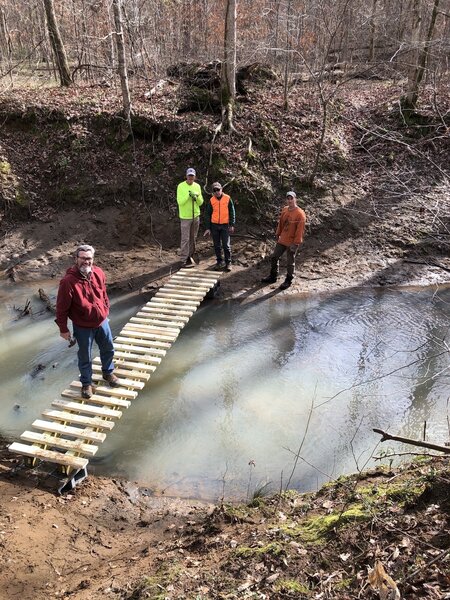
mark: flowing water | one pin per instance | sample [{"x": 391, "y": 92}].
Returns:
[{"x": 248, "y": 386}]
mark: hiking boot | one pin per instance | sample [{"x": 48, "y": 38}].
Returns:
[
  {"x": 286, "y": 283},
  {"x": 189, "y": 263},
  {"x": 228, "y": 267},
  {"x": 269, "y": 279},
  {"x": 218, "y": 266},
  {"x": 86, "y": 391},
  {"x": 112, "y": 379}
]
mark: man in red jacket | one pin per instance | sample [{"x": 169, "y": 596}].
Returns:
[
  {"x": 83, "y": 299},
  {"x": 290, "y": 230}
]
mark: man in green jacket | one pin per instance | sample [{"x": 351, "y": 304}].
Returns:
[{"x": 189, "y": 199}]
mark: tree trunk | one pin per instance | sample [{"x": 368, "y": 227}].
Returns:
[
  {"x": 117, "y": 8},
  {"x": 229, "y": 67},
  {"x": 287, "y": 60},
  {"x": 416, "y": 74},
  {"x": 57, "y": 44},
  {"x": 373, "y": 31}
]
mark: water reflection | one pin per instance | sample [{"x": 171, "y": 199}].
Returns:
[{"x": 228, "y": 407}]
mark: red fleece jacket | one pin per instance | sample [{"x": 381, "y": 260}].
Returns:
[{"x": 83, "y": 300}]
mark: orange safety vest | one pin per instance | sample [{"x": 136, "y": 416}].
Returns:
[{"x": 220, "y": 214}]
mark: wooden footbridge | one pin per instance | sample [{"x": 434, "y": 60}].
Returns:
[{"x": 69, "y": 432}]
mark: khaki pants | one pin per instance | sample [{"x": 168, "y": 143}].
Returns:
[{"x": 189, "y": 230}]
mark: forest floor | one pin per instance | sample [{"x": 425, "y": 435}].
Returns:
[{"x": 378, "y": 215}]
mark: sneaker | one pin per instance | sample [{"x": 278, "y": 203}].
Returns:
[
  {"x": 112, "y": 379},
  {"x": 269, "y": 279},
  {"x": 286, "y": 283},
  {"x": 218, "y": 266},
  {"x": 86, "y": 391},
  {"x": 228, "y": 267}
]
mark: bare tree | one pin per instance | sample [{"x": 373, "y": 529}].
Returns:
[
  {"x": 122, "y": 67},
  {"x": 229, "y": 66},
  {"x": 417, "y": 69},
  {"x": 57, "y": 44}
]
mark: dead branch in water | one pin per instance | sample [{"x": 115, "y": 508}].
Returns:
[
  {"x": 26, "y": 310},
  {"x": 388, "y": 436}
]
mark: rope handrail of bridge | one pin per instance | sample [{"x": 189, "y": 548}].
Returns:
[{"x": 70, "y": 431}]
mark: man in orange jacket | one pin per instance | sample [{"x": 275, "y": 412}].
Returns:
[
  {"x": 219, "y": 222},
  {"x": 290, "y": 229}
]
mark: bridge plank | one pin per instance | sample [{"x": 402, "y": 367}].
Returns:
[
  {"x": 139, "y": 339},
  {"x": 165, "y": 310},
  {"x": 143, "y": 316},
  {"x": 126, "y": 364},
  {"x": 87, "y": 409},
  {"x": 134, "y": 350},
  {"x": 76, "y": 395},
  {"x": 60, "y": 458},
  {"x": 117, "y": 392},
  {"x": 123, "y": 373},
  {"x": 59, "y": 442},
  {"x": 68, "y": 417},
  {"x": 67, "y": 430},
  {"x": 171, "y": 301}
]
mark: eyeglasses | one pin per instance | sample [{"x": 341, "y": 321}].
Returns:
[{"x": 217, "y": 189}]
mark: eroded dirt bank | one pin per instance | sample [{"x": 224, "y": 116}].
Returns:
[{"x": 108, "y": 540}]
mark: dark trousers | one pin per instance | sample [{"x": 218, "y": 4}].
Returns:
[
  {"x": 221, "y": 239},
  {"x": 85, "y": 337},
  {"x": 280, "y": 249}
]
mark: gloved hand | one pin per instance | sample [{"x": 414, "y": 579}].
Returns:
[
  {"x": 193, "y": 195},
  {"x": 293, "y": 247}
]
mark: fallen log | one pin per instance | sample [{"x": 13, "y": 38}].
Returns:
[{"x": 396, "y": 438}]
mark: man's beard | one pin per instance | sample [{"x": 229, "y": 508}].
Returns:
[{"x": 85, "y": 269}]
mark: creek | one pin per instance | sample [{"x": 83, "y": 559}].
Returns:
[{"x": 247, "y": 385}]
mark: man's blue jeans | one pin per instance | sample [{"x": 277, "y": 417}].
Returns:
[{"x": 85, "y": 337}]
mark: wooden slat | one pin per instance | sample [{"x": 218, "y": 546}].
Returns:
[
  {"x": 182, "y": 289},
  {"x": 172, "y": 301},
  {"x": 180, "y": 311},
  {"x": 60, "y": 458},
  {"x": 198, "y": 273},
  {"x": 130, "y": 356},
  {"x": 87, "y": 409},
  {"x": 123, "y": 363},
  {"x": 171, "y": 295},
  {"x": 67, "y": 417},
  {"x": 58, "y": 442},
  {"x": 153, "y": 321},
  {"x": 123, "y": 373},
  {"x": 132, "y": 333},
  {"x": 156, "y": 330},
  {"x": 77, "y": 432},
  {"x": 169, "y": 337},
  {"x": 106, "y": 390},
  {"x": 133, "y": 349},
  {"x": 134, "y": 338},
  {"x": 197, "y": 281},
  {"x": 96, "y": 399},
  {"x": 136, "y": 347},
  {"x": 143, "y": 318},
  {"x": 124, "y": 383},
  {"x": 169, "y": 309}
]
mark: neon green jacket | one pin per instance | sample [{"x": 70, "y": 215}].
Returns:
[{"x": 189, "y": 207}]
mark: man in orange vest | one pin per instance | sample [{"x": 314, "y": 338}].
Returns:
[
  {"x": 219, "y": 222},
  {"x": 289, "y": 234}
]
